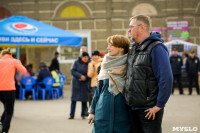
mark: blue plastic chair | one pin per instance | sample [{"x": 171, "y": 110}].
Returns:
[
  {"x": 57, "y": 90},
  {"x": 48, "y": 83},
  {"x": 27, "y": 84},
  {"x": 62, "y": 80}
]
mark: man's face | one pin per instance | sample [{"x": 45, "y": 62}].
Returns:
[
  {"x": 192, "y": 55},
  {"x": 83, "y": 50},
  {"x": 57, "y": 55},
  {"x": 134, "y": 30},
  {"x": 175, "y": 52}
]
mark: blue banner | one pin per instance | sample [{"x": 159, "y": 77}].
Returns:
[{"x": 21, "y": 30}]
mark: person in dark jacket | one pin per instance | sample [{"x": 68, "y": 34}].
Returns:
[
  {"x": 44, "y": 72},
  {"x": 149, "y": 77},
  {"x": 80, "y": 84},
  {"x": 193, "y": 67},
  {"x": 109, "y": 110},
  {"x": 54, "y": 63},
  {"x": 176, "y": 63}
]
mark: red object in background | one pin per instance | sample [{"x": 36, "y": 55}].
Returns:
[
  {"x": 23, "y": 58},
  {"x": 4, "y": 13},
  {"x": 101, "y": 54}
]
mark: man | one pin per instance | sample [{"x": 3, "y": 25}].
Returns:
[
  {"x": 193, "y": 67},
  {"x": 83, "y": 49},
  {"x": 149, "y": 77},
  {"x": 54, "y": 63},
  {"x": 176, "y": 63}
]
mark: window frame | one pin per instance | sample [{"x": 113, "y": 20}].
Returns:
[{"x": 81, "y": 33}]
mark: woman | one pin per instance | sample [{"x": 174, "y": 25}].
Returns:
[
  {"x": 109, "y": 110},
  {"x": 92, "y": 69},
  {"x": 8, "y": 66},
  {"x": 80, "y": 84}
]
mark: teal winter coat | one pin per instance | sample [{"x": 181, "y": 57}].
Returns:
[{"x": 111, "y": 112}]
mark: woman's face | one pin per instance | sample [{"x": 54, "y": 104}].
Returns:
[
  {"x": 85, "y": 59},
  {"x": 115, "y": 51},
  {"x": 95, "y": 57}
]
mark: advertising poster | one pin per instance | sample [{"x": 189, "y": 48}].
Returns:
[
  {"x": 177, "y": 30},
  {"x": 157, "y": 29}
]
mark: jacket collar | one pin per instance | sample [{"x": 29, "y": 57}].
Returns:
[{"x": 143, "y": 45}]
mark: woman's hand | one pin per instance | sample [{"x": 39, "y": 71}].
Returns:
[
  {"x": 83, "y": 78},
  {"x": 90, "y": 117}
]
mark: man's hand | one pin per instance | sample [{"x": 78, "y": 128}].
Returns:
[{"x": 152, "y": 112}]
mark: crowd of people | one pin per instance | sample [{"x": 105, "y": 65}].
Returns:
[
  {"x": 12, "y": 74},
  {"x": 190, "y": 64},
  {"x": 133, "y": 86},
  {"x": 127, "y": 90}
]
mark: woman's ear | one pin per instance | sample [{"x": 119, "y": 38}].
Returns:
[{"x": 122, "y": 50}]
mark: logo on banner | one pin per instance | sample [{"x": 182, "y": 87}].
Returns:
[{"x": 24, "y": 27}]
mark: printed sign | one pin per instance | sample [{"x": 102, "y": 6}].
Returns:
[
  {"x": 24, "y": 27},
  {"x": 177, "y": 30},
  {"x": 157, "y": 29}
]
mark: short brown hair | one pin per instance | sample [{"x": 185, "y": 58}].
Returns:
[
  {"x": 5, "y": 51},
  {"x": 119, "y": 41},
  {"x": 143, "y": 18}
]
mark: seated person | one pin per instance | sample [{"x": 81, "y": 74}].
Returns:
[
  {"x": 44, "y": 72},
  {"x": 30, "y": 69},
  {"x": 18, "y": 78},
  {"x": 54, "y": 73}
]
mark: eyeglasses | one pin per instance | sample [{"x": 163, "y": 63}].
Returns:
[
  {"x": 109, "y": 45},
  {"x": 131, "y": 26}
]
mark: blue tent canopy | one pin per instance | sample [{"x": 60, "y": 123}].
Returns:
[{"x": 21, "y": 30}]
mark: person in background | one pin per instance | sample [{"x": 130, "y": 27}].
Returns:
[
  {"x": 92, "y": 72},
  {"x": 54, "y": 73},
  {"x": 193, "y": 68},
  {"x": 29, "y": 68},
  {"x": 18, "y": 78},
  {"x": 80, "y": 84},
  {"x": 44, "y": 72},
  {"x": 83, "y": 49},
  {"x": 109, "y": 111},
  {"x": 54, "y": 62},
  {"x": 92, "y": 69},
  {"x": 176, "y": 64},
  {"x": 149, "y": 77},
  {"x": 185, "y": 56},
  {"x": 8, "y": 66}
]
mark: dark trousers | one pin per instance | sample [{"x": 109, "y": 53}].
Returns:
[
  {"x": 8, "y": 100},
  {"x": 140, "y": 124},
  {"x": 73, "y": 107},
  {"x": 193, "y": 77},
  {"x": 177, "y": 78}
]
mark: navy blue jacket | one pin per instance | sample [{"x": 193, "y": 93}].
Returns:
[
  {"x": 43, "y": 74},
  {"x": 176, "y": 63},
  {"x": 79, "y": 89},
  {"x": 192, "y": 65}
]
